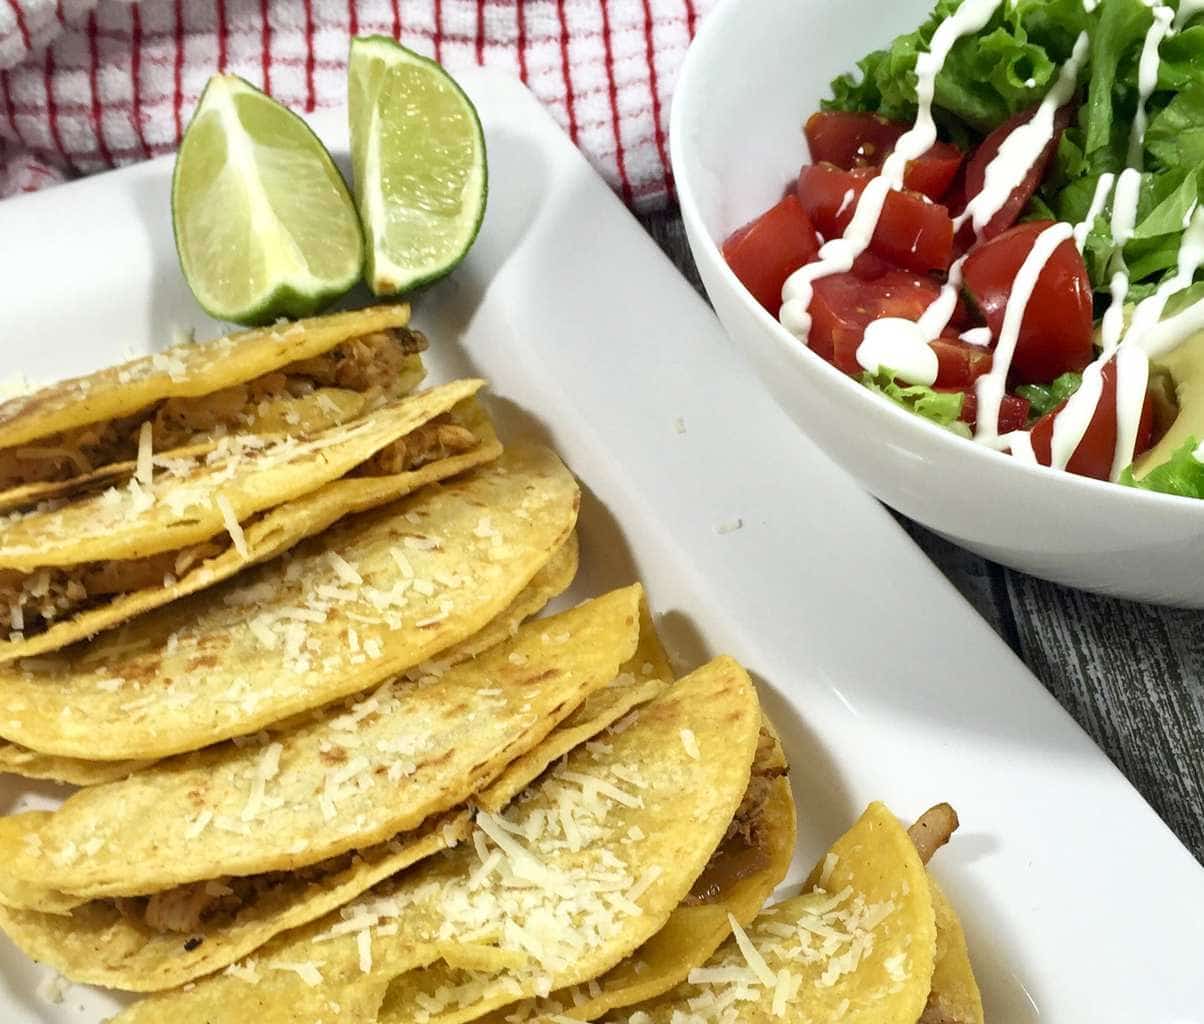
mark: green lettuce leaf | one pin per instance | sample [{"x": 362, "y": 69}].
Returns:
[
  {"x": 1008, "y": 67},
  {"x": 942, "y": 407},
  {"x": 1182, "y": 474},
  {"x": 1115, "y": 41},
  {"x": 988, "y": 77},
  {"x": 1043, "y": 398},
  {"x": 1175, "y": 136}
]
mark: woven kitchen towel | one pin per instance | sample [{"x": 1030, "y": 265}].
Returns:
[{"x": 91, "y": 84}]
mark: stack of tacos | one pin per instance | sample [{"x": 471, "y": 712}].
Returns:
[{"x": 275, "y": 611}]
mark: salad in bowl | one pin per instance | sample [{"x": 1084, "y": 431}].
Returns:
[{"x": 999, "y": 229}]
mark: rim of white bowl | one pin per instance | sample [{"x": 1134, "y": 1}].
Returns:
[{"x": 698, "y": 57}]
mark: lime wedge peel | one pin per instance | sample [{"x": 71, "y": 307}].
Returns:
[
  {"x": 265, "y": 226},
  {"x": 420, "y": 167}
]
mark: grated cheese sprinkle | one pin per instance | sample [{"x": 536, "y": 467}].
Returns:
[
  {"x": 232, "y": 525},
  {"x": 755, "y": 961},
  {"x": 145, "y": 470}
]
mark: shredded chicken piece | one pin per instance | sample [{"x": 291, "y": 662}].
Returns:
[
  {"x": 370, "y": 365},
  {"x": 744, "y": 849},
  {"x": 932, "y": 830},
  {"x": 436, "y": 439},
  {"x": 766, "y": 767},
  {"x": 186, "y": 907},
  {"x": 31, "y": 602}
]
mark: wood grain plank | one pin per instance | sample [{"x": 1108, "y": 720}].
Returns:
[{"x": 1132, "y": 675}]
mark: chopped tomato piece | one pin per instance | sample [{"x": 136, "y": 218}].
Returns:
[
  {"x": 1093, "y": 457},
  {"x": 1056, "y": 332},
  {"x": 851, "y": 140},
  {"x": 767, "y": 251},
  {"x": 869, "y": 267},
  {"x": 912, "y": 233},
  {"x": 959, "y": 364},
  {"x": 976, "y": 169},
  {"x": 934, "y": 172},
  {"x": 843, "y": 306},
  {"x": 1013, "y": 412},
  {"x": 865, "y": 140}
]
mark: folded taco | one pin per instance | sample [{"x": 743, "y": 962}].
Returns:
[
  {"x": 582, "y": 870},
  {"x": 553, "y": 579},
  {"x": 371, "y": 597},
  {"x": 224, "y": 848},
  {"x": 286, "y": 378},
  {"x": 72, "y": 567}
]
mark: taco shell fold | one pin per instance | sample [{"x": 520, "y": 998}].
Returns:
[
  {"x": 280, "y": 528},
  {"x": 448, "y": 905},
  {"x": 373, "y": 596},
  {"x": 553, "y": 579},
  {"x": 356, "y": 775},
  {"x": 87, "y": 427}
]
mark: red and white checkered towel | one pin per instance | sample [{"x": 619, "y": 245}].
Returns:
[{"x": 91, "y": 84}]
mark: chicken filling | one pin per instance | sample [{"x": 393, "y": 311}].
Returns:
[
  {"x": 32, "y": 602},
  {"x": 371, "y": 368},
  {"x": 187, "y": 908},
  {"x": 745, "y": 848}
]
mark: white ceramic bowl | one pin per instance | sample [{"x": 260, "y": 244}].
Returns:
[{"x": 755, "y": 72}]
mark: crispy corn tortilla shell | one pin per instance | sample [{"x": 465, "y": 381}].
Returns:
[
  {"x": 270, "y": 535},
  {"x": 688, "y": 938},
  {"x": 954, "y": 998},
  {"x": 96, "y": 945},
  {"x": 875, "y": 894},
  {"x": 334, "y": 787},
  {"x": 233, "y": 659},
  {"x": 645, "y": 677},
  {"x": 686, "y": 807},
  {"x": 179, "y": 509},
  {"x": 688, "y": 804},
  {"x": 553, "y": 579},
  {"x": 321, "y": 409},
  {"x": 75, "y": 771},
  {"x": 189, "y": 370}
]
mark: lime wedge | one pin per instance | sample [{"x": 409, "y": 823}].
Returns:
[
  {"x": 419, "y": 159},
  {"x": 265, "y": 226}
]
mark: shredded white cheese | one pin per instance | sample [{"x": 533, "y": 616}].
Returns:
[
  {"x": 755, "y": 961},
  {"x": 145, "y": 470},
  {"x": 232, "y": 525}
]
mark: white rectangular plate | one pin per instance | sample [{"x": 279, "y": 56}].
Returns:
[{"x": 1079, "y": 904}]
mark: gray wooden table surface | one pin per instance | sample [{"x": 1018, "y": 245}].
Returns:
[{"x": 1132, "y": 675}]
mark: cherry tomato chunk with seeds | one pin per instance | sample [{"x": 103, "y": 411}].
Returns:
[
  {"x": 959, "y": 364},
  {"x": 844, "y": 305},
  {"x": 851, "y": 140},
  {"x": 769, "y": 249},
  {"x": 1057, "y": 330},
  {"x": 1017, "y": 200},
  {"x": 1013, "y": 412},
  {"x": 934, "y": 173},
  {"x": 854, "y": 140},
  {"x": 1095, "y": 452},
  {"x": 913, "y": 233}
]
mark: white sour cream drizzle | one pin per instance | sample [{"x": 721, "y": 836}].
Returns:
[
  {"x": 1103, "y": 188},
  {"x": 1127, "y": 348},
  {"x": 903, "y": 345},
  {"x": 991, "y": 386},
  {"x": 1007, "y": 169},
  {"x": 837, "y": 256},
  {"x": 1022, "y": 148},
  {"x": 1147, "y": 79}
]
